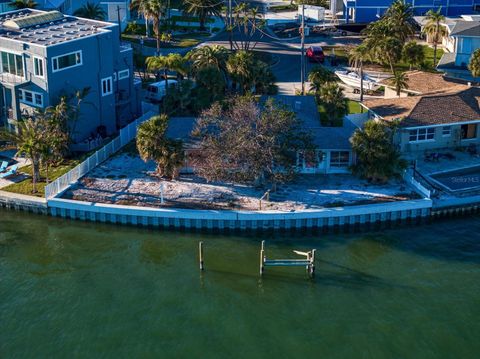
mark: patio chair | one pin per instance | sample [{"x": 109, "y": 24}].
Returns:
[
  {"x": 11, "y": 172},
  {"x": 3, "y": 166}
]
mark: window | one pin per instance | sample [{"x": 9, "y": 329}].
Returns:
[
  {"x": 107, "y": 86},
  {"x": 67, "y": 61},
  {"x": 124, "y": 74},
  {"x": 12, "y": 63},
  {"x": 38, "y": 67},
  {"x": 31, "y": 98},
  {"x": 339, "y": 159},
  {"x": 422, "y": 134},
  {"x": 115, "y": 76},
  {"x": 446, "y": 131},
  {"x": 469, "y": 131}
]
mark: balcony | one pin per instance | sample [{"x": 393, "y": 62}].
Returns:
[
  {"x": 125, "y": 46},
  {"x": 12, "y": 80}
]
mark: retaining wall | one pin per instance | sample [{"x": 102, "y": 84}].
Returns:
[
  {"x": 23, "y": 203},
  {"x": 241, "y": 220}
]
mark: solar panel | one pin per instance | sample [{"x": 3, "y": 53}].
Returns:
[{"x": 33, "y": 20}]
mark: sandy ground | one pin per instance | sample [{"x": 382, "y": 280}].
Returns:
[{"x": 127, "y": 180}]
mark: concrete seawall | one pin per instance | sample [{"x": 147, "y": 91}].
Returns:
[
  {"x": 23, "y": 203},
  {"x": 241, "y": 220}
]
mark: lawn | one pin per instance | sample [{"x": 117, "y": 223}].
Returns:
[
  {"x": 428, "y": 60},
  {"x": 179, "y": 41},
  {"x": 25, "y": 187},
  {"x": 353, "y": 107}
]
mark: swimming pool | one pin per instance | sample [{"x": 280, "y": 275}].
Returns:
[{"x": 458, "y": 180}]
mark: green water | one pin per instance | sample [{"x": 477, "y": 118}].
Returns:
[{"x": 72, "y": 289}]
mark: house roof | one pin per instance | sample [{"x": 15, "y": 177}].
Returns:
[
  {"x": 46, "y": 28},
  {"x": 422, "y": 82},
  {"x": 435, "y": 109},
  {"x": 466, "y": 28}
]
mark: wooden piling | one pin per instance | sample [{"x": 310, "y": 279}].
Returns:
[
  {"x": 262, "y": 254},
  {"x": 200, "y": 255},
  {"x": 312, "y": 266}
]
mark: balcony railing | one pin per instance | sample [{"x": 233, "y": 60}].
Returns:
[
  {"x": 125, "y": 46},
  {"x": 8, "y": 78}
]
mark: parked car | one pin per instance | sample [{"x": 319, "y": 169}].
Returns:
[
  {"x": 315, "y": 54},
  {"x": 157, "y": 90}
]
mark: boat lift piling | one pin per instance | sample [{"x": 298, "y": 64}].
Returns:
[
  {"x": 200, "y": 255},
  {"x": 308, "y": 262}
]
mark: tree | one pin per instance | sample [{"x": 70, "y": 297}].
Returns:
[
  {"x": 474, "y": 65},
  {"x": 318, "y": 76},
  {"x": 153, "y": 144},
  {"x": 246, "y": 142},
  {"x": 357, "y": 57},
  {"x": 152, "y": 10},
  {"x": 203, "y": 9},
  {"x": 210, "y": 85},
  {"x": 334, "y": 102},
  {"x": 399, "y": 81},
  {"x": 23, "y": 4},
  {"x": 413, "y": 54},
  {"x": 91, "y": 11},
  {"x": 206, "y": 56},
  {"x": 246, "y": 21},
  {"x": 377, "y": 158},
  {"x": 30, "y": 141},
  {"x": 171, "y": 62},
  {"x": 434, "y": 29},
  {"x": 399, "y": 17}
]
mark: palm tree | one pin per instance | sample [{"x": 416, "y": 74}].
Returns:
[
  {"x": 29, "y": 139},
  {"x": 334, "y": 101},
  {"x": 377, "y": 158},
  {"x": 240, "y": 66},
  {"x": 152, "y": 10},
  {"x": 152, "y": 144},
  {"x": 399, "y": 81},
  {"x": 91, "y": 11},
  {"x": 399, "y": 17},
  {"x": 171, "y": 62},
  {"x": 317, "y": 77},
  {"x": 474, "y": 65},
  {"x": 413, "y": 54},
  {"x": 207, "y": 56},
  {"x": 434, "y": 29},
  {"x": 23, "y": 4},
  {"x": 357, "y": 56},
  {"x": 204, "y": 8}
]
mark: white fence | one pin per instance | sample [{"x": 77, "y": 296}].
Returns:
[
  {"x": 127, "y": 134},
  {"x": 408, "y": 177}
]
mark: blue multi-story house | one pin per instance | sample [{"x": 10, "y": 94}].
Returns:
[
  {"x": 46, "y": 55},
  {"x": 364, "y": 11}
]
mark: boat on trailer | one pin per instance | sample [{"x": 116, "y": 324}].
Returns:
[{"x": 352, "y": 79}]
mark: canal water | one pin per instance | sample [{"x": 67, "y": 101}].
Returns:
[{"x": 74, "y": 289}]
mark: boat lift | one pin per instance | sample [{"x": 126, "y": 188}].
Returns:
[{"x": 308, "y": 262}]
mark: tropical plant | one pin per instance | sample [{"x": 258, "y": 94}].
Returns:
[
  {"x": 171, "y": 62},
  {"x": 211, "y": 84},
  {"x": 318, "y": 76},
  {"x": 154, "y": 11},
  {"x": 413, "y": 54},
  {"x": 30, "y": 141},
  {"x": 23, "y": 4},
  {"x": 399, "y": 17},
  {"x": 206, "y": 56},
  {"x": 474, "y": 65},
  {"x": 203, "y": 9},
  {"x": 250, "y": 73},
  {"x": 357, "y": 57},
  {"x": 153, "y": 144},
  {"x": 91, "y": 11},
  {"x": 377, "y": 158},
  {"x": 334, "y": 102},
  {"x": 243, "y": 141},
  {"x": 399, "y": 81},
  {"x": 247, "y": 21},
  {"x": 434, "y": 29}
]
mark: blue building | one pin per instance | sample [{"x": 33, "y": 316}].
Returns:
[
  {"x": 46, "y": 55},
  {"x": 364, "y": 11}
]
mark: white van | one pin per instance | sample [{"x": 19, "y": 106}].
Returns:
[{"x": 157, "y": 91}]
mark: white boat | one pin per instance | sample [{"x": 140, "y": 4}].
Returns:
[{"x": 352, "y": 79}]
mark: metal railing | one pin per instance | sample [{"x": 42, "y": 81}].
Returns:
[{"x": 127, "y": 134}]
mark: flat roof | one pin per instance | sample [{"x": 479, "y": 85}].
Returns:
[{"x": 46, "y": 27}]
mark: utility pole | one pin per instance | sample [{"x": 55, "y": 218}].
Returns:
[
  {"x": 302, "y": 61},
  {"x": 119, "y": 23},
  {"x": 230, "y": 30}
]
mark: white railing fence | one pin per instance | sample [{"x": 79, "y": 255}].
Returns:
[
  {"x": 127, "y": 134},
  {"x": 409, "y": 178}
]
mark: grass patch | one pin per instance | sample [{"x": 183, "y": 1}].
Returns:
[
  {"x": 186, "y": 18},
  {"x": 340, "y": 53},
  {"x": 428, "y": 65},
  {"x": 179, "y": 41},
  {"x": 26, "y": 186},
  {"x": 280, "y": 8},
  {"x": 354, "y": 107}
]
